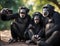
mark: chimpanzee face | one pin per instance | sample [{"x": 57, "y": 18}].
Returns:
[
  {"x": 36, "y": 19},
  {"x": 22, "y": 13},
  {"x": 45, "y": 12}
]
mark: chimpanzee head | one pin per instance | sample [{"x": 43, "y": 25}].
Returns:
[
  {"x": 37, "y": 17},
  {"x": 47, "y": 10},
  {"x": 23, "y": 11},
  {"x": 6, "y": 11}
]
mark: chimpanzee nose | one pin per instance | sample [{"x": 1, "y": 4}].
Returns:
[{"x": 45, "y": 13}]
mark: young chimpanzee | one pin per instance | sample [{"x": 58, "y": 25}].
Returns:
[
  {"x": 36, "y": 29},
  {"x": 52, "y": 26},
  {"x": 22, "y": 20}
]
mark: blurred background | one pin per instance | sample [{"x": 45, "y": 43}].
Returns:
[{"x": 33, "y": 5}]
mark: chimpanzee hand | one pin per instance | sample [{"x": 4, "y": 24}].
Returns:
[
  {"x": 6, "y": 11},
  {"x": 35, "y": 37}
]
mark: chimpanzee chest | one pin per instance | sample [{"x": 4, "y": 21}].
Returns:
[
  {"x": 22, "y": 23},
  {"x": 49, "y": 24}
]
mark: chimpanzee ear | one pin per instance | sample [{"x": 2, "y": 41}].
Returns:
[{"x": 28, "y": 10}]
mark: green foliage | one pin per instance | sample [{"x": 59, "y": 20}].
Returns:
[{"x": 5, "y": 25}]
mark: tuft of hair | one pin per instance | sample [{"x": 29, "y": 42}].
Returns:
[{"x": 23, "y": 7}]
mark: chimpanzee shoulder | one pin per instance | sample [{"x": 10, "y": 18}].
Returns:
[{"x": 56, "y": 17}]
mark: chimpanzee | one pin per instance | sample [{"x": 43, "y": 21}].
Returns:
[
  {"x": 36, "y": 29},
  {"x": 22, "y": 20},
  {"x": 52, "y": 26}
]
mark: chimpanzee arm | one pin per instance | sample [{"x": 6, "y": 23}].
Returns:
[
  {"x": 56, "y": 27},
  {"x": 42, "y": 33},
  {"x": 5, "y": 17}
]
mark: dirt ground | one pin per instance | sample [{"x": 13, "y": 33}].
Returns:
[{"x": 5, "y": 36}]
